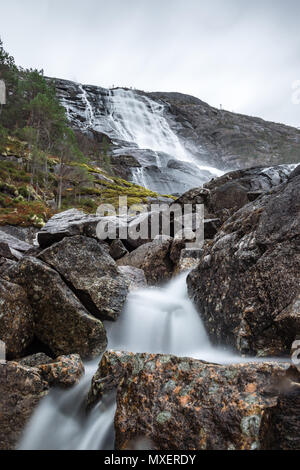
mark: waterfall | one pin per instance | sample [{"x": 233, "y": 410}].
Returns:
[
  {"x": 89, "y": 113},
  {"x": 141, "y": 127},
  {"x": 154, "y": 320},
  {"x": 137, "y": 118}
]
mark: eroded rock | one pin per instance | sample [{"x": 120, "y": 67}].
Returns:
[
  {"x": 92, "y": 274},
  {"x": 61, "y": 321},
  {"x": 246, "y": 286},
  {"x": 22, "y": 387},
  {"x": 16, "y": 319},
  {"x": 181, "y": 403},
  {"x": 67, "y": 224},
  {"x": 153, "y": 258}
]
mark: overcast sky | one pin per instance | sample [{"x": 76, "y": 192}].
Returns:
[{"x": 242, "y": 54}]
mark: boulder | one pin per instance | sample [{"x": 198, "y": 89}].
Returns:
[
  {"x": 12, "y": 247},
  {"x": 153, "y": 258},
  {"x": 35, "y": 360},
  {"x": 6, "y": 265},
  {"x": 61, "y": 321},
  {"x": 135, "y": 277},
  {"x": 22, "y": 387},
  {"x": 225, "y": 195},
  {"x": 281, "y": 426},
  {"x": 188, "y": 260},
  {"x": 16, "y": 319},
  {"x": 117, "y": 249},
  {"x": 65, "y": 371},
  {"x": 25, "y": 234},
  {"x": 161, "y": 397},
  {"x": 91, "y": 273},
  {"x": 247, "y": 284},
  {"x": 67, "y": 224}
]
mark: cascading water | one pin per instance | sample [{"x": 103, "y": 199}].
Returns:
[
  {"x": 141, "y": 127},
  {"x": 155, "y": 320},
  {"x": 141, "y": 120}
]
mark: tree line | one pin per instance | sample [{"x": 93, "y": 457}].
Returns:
[{"x": 33, "y": 114}]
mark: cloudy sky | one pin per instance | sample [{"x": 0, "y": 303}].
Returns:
[{"x": 242, "y": 54}]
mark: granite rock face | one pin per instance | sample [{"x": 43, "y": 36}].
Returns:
[
  {"x": 91, "y": 273},
  {"x": 16, "y": 319},
  {"x": 60, "y": 320},
  {"x": 153, "y": 258},
  {"x": 135, "y": 277},
  {"x": 67, "y": 224},
  {"x": 181, "y": 403},
  {"x": 224, "y": 196},
  {"x": 213, "y": 137},
  {"x": 22, "y": 387},
  {"x": 11, "y": 247},
  {"x": 246, "y": 286}
]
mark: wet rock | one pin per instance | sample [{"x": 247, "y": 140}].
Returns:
[
  {"x": 61, "y": 321},
  {"x": 246, "y": 285},
  {"x": 91, "y": 273},
  {"x": 153, "y": 258},
  {"x": 231, "y": 192},
  {"x": 65, "y": 371},
  {"x": 16, "y": 319},
  {"x": 67, "y": 224},
  {"x": 188, "y": 260},
  {"x": 5, "y": 252},
  {"x": 35, "y": 360},
  {"x": 25, "y": 234},
  {"x": 6, "y": 265},
  {"x": 211, "y": 227},
  {"x": 117, "y": 249},
  {"x": 13, "y": 245},
  {"x": 21, "y": 389},
  {"x": 280, "y": 426},
  {"x": 23, "y": 384},
  {"x": 135, "y": 277},
  {"x": 224, "y": 196},
  {"x": 160, "y": 397}
]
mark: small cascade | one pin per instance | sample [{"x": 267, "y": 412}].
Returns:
[
  {"x": 155, "y": 320},
  {"x": 89, "y": 113}
]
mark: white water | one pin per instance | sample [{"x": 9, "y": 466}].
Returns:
[
  {"x": 137, "y": 118},
  {"x": 155, "y": 320},
  {"x": 141, "y": 120},
  {"x": 89, "y": 113}
]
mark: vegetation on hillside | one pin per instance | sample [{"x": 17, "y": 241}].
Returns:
[{"x": 42, "y": 167}]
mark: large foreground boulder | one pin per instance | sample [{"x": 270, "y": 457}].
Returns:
[
  {"x": 16, "y": 319},
  {"x": 21, "y": 389},
  {"x": 92, "y": 274},
  {"x": 247, "y": 284},
  {"x": 181, "y": 403},
  {"x": 60, "y": 320}
]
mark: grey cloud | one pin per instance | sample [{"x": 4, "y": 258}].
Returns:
[{"x": 243, "y": 55}]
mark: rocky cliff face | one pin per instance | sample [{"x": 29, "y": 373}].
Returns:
[
  {"x": 230, "y": 140},
  {"x": 246, "y": 285},
  {"x": 170, "y": 142}
]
